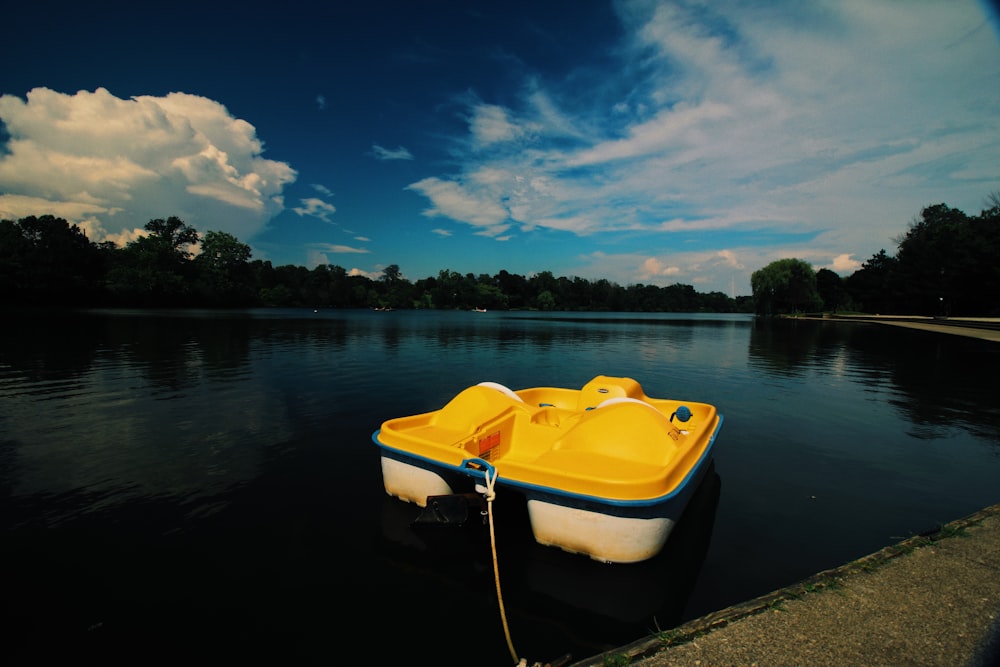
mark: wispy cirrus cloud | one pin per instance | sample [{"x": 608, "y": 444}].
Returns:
[
  {"x": 788, "y": 123},
  {"x": 399, "y": 153},
  {"x": 340, "y": 249},
  {"x": 315, "y": 208}
]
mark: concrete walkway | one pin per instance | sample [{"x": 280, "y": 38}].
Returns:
[
  {"x": 983, "y": 328},
  {"x": 931, "y": 600}
]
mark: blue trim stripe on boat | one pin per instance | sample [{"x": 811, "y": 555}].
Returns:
[{"x": 534, "y": 489}]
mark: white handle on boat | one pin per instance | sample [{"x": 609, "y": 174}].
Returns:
[
  {"x": 624, "y": 399},
  {"x": 502, "y": 389}
]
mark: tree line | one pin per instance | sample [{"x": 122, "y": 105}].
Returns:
[
  {"x": 47, "y": 261},
  {"x": 946, "y": 263}
]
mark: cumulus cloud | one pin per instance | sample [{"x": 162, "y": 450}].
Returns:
[
  {"x": 114, "y": 164},
  {"x": 373, "y": 275},
  {"x": 653, "y": 267},
  {"x": 844, "y": 264}
]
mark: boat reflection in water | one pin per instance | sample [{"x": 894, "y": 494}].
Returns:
[{"x": 555, "y": 603}]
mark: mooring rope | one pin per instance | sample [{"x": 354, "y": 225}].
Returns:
[{"x": 490, "y": 494}]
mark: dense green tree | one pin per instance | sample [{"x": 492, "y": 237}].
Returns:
[
  {"x": 155, "y": 270},
  {"x": 545, "y": 300},
  {"x": 543, "y": 283},
  {"x": 296, "y": 280},
  {"x": 223, "y": 270},
  {"x": 832, "y": 291},
  {"x": 983, "y": 279},
  {"x": 490, "y": 297},
  {"x": 447, "y": 288},
  {"x": 515, "y": 287},
  {"x": 262, "y": 274},
  {"x": 394, "y": 290},
  {"x": 279, "y": 295},
  {"x": 716, "y": 302},
  {"x": 931, "y": 256},
  {"x": 424, "y": 291},
  {"x": 785, "y": 286},
  {"x": 391, "y": 274},
  {"x": 869, "y": 286},
  {"x": 45, "y": 259}
]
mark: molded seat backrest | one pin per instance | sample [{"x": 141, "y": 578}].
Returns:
[
  {"x": 630, "y": 430},
  {"x": 473, "y": 406},
  {"x": 602, "y": 387}
]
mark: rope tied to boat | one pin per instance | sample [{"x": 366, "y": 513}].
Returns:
[{"x": 489, "y": 492}]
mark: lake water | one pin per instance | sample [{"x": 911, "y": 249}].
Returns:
[{"x": 199, "y": 485}]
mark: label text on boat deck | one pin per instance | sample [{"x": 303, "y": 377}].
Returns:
[{"x": 487, "y": 444}]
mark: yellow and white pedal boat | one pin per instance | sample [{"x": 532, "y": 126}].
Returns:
[{"x": 606, "y": 470}]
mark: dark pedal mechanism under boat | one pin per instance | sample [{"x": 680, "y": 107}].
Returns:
[{"x": 455, "y": 509}]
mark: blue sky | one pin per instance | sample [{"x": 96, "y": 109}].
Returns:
[{"x": 664, "y": 142}]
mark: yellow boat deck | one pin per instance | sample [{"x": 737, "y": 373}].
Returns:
[{"x": 607, "y": 440}]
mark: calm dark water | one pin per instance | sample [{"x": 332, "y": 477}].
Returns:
[{"x": 203, "y": 485}]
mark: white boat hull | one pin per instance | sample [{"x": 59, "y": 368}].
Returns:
[
  {"x": 412, "y": 483},
  {"x": 603, "y": 537}
]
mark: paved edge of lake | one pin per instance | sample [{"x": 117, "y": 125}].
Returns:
[
  {"x": 930, "y": 599},
  {"x": 983, "y": 328}
]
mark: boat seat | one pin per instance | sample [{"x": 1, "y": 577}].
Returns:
[
  {"x": 602, "y": 387},
  {"x": 506, "y": 391},
  {"x": 472, "y": 407},
  {"x": 630, "y": 430}
]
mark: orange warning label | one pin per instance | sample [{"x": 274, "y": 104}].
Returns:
[{"x": 487, "y": 444}]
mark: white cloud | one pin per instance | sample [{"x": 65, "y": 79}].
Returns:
[
  {"x": 340, "y": 249},
  {"x": 653, "y": 267},
  {"x": 319, "y": 253},
  {"x": 118, "y": 163},
  {"x": 474, "y": 203},
  {"x": 844, "y": 264},
  {"x": 316, "y": 208},
  {"x": 823, "y": 127},
  {"x": 399, "y": 153},
  {"x": 490, "y": 125},
  {"x": 373, "y": 275}
]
